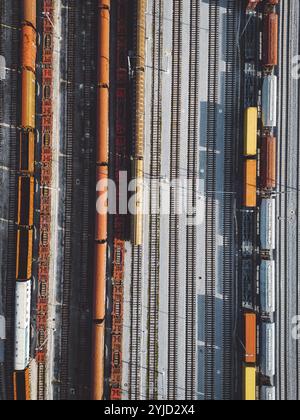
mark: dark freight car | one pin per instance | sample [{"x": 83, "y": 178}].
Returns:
[{"x": 270, "y": 50}]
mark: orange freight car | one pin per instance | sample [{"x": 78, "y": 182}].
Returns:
[
  {"x": 268, "y": 163},
  {"x": 270, "y": 40},
  {"x": 250, "y": 338},
  {"x": 21, "y": 382},
  {"x": 250, "y": 183},
  {"x": 29, "y": 12},
  {"x": 28, "y": 52},
  {"x": 101, "y": 218}
]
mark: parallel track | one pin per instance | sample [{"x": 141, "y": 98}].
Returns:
[
  {"x": 192, "y": 169},
  {"x": 67, "y": 263},
  {"x": 90, "y": 18},
  {"x": 135, "y": 328},
  {"x": 11, "y": 242},
  {"x": 174, "y": 217},
  {"x": 210, "y": 310},
  {"x": 229, "y": 222},
  {"x": 155, "y": 174}
]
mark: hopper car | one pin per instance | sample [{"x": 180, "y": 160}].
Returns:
[
  {"x": 269, "y": 102},
  {"x": 268, "y": 164},
  {"x": 250, "y": 338},
  {"x": 250, "y": 183},
  {"x": 268, "y": 225},
  {"x": 270, "y": 40},
  {"x": 267, "y": 288},
  {"x": 268, "y": 358}
]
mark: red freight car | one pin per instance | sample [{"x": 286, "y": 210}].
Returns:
[
  {"x": 270, "y": 57},
  {"x": 268, "y": 163}
]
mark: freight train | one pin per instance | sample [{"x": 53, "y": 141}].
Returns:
[
  {"x": 258, "y": 201},
  {"x": 99, "y": 294},
  {"x": 25, "y": 197}
]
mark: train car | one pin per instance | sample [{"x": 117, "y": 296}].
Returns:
[
  {"x": 21, "y": 382},
  {"x": 269, "y": 101},
  {"x": 250, "y": 338},
  {"x": 24, "y": 254},
  {"x": 268, "y": 393},
  {"x": 268, "y": 350},
  {"x": 267, "y": 287},
  {"x": 25, "y": 201},
  {"x": 250, "y": 183},
  {"x": 270, "y": 40},
  {"x": 22, "y": 325},
  {"x": 250, "y": 131},
  {"x": 248, "y": 283},
  {"x": 249, "y": 383},
  {"x": 26, "y": 152},
  {"x": 268, "y": 163},
  {"x": 268, "y": 225},
  {"x": 248, "y": 232}
]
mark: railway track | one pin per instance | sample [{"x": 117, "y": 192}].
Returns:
[
  {"x": 230, "y": 140},
  {"x": 210, "y": 281},
  {"x": 192, "y": 168},
  {"x": 174, "y": 217},
  {"x": 155, "y": 175},
  {"x": 9, "y": 9},
  {"x": 89, "y": 130},
  {"x": 68, "y": 218},
  {"x": 288, "y": 289},
  {"x": 135, "y": 327}
]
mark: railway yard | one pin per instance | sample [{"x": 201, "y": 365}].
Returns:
[{"x": 150, "y": 179}]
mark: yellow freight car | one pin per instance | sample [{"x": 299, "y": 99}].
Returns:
[
  {"x": 250, "y": 384},
  {"x": 250, "y": 130}
]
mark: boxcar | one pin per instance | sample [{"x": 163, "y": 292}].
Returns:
[
  {"x": 267, "y": 287},
  {"x": 268, "y": 224},
  {"x": 268, "y": 393},
  {"x": 268, "y": 163},
  {"x": 270, "y": 40},
  {"x": 268, "y": 350},
  {"x": 250, "y": 183},
  {"x": 250, "y": 132},
  {"x": 22, "y": 325},
  {"x": 250, "y": 338},
  {"x": 249, "y": 383},
  {"x": 269, "y": 102}
]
